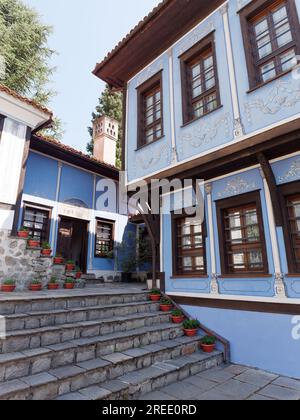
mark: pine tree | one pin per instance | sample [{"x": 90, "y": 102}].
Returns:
[
  {"x": 111, "y": 105},
  {"x": 25, "y": 54}
]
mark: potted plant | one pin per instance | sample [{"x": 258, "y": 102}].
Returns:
[
  {"x": 33, "y": 242},
  {"x": 155, "y": 295},
  {"x": 78, "y": 273},
  {"x": 191, "y": 327},
  {"x": 53, "y": 285},
  {"x": 23, "y": 233},
  {"x": 35, "y": 285},
  {"x": 70, "y": 266},
  {"x": 46, "y": 249},
  {"x": 58, "y": 259},
  {"x": 208, "y": 344},
  {"x": 8, "y": 286},
  {"x": 177, "y": 317},
  {"x": 69, "y": 283},
  {"x": 166, "y": 305}
]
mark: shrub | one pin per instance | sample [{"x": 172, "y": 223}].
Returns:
[
  {"x": 35, "y": 282},
  {"x": 208, "y": 340},
  {"x": 177, "y": 313},
  {"x": 46, "y": 245},
  {"x": 155, "y": 292},
  {"x": 191, "y": 324},
  {"x": 9, "y": 282},
  {"x": 69, "y": 281},
  {"x": 53, "y": 280},
  {"x": 166, "y": 302}
]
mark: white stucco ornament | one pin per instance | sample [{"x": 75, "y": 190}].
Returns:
[
  {"x": 292, "y": 174},
  {"x": 237, "y": 186}
]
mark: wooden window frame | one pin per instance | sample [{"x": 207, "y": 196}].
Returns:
[
  {"x": 236, "y": 202},
  {"x": 112, "y": 240},
  {"x": 248, "y": 13},
  {"x": 289, "y": 190},
  {"x": 186, "y": 60},
  {"x": 34, "y": 206},
  {"x": 143, "y": 90},
  {"x": 176, "y": 272}
]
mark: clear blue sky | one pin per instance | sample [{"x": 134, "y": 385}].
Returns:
[{"x": 84, "y": 31}]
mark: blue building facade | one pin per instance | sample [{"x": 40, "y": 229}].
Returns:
[{"x": 217, "y": 99}]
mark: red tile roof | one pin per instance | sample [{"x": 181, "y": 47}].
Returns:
[
  {"x": 27, "y": 101},
  {"x": 69, "y": 149}
]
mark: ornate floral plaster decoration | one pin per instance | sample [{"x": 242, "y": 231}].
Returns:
[
  {"x": 150, "y": 157},
  {"x": 196, "y": 36},
  {"x": 237, "y": 186},
  {"x": 292, "y": 173},
  {"x": 282, "y": 95},
  {"x": 214, "y": 285},
  {"x": 204, "y": 134},
  {"x": 149, "y": 72},
  {"x": 280, "y": 291}
]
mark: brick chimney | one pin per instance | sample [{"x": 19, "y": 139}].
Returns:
[{"x": 105, "y": 135}]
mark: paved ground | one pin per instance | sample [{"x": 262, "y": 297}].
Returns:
[{"x": 230, "y": 383}]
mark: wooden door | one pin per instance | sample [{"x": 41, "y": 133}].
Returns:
[{"x": 64, "y": 240}]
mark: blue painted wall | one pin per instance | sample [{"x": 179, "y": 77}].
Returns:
[
  {"x": 41, "y": 176},
  {"x": 76, "y": 184},
  {"x": 257, "y": 339}
]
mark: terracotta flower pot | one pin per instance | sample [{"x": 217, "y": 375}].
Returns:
[
  {"x": 177, "y": 319},
  {"x": 46, "y": 252},
  {"x": 155, "y": 298},
  {"x": 166, "y": 308},
  {"x": 70, "y": 267},
  {"x": 190, "y": 333},
  {"x": 33, "y": 244},
  {"x": 23, "y": 234},
  {"x": 58, "y": 260},
  {"x": 35, "y": 287},
  {"x": 78, "y": 275},
  {"x": 8, "y": 288},
  {"x": 53, "y": 286},
  {"x": 207, "y": 348},
  {"x": 69, "y": 286}
]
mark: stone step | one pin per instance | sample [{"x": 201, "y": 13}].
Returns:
[
  {"x": 31, "y": 362},
  {"x": 140, "y": 371},
  {"x": 60, "y": 299},
  {"x": 65, "y": 316},
  {"x": 40, "y": 337}
]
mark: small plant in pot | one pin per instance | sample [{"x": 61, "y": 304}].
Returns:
[
  {"x": 35, "y": 285},
  {"x": 191, "y": 327},
  {"x": 34, "y": 242},
  {"x": 53, "y": 285},
  {"x": 177, "y": 317},
  {"x": 166, "y": 305},
  {"x": 78, "y": 273},
  {"x": 46, "y": 249},
  {"x": 70, "y": 266},
  {"x": 155, "y": 295},
  {"x": 58, "y": 259},
  {"x": 69, "y": 283},
  {"x": 208, "y": 344},
  {"x": 8, "y": 286},
  {"x": 23, "y": 233}
]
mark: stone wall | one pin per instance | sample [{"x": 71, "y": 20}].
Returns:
[{"x": 24, "y": 265}]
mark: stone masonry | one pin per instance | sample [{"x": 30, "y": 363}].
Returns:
[{"x": 23, "y": 265}]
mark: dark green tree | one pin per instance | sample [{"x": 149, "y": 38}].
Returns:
[
  {"x": 25, "y": 53},
  {"x": 111, "y": 105}
]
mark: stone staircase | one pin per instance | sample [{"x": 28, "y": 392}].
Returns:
[{"x": 92, "y": 345}]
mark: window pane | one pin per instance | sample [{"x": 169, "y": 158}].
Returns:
[
  {"x": 196, "y": 71},
  {"x": 256, "y": 259},
  {"x": 268, "y": 71},
  {"x": 288, "y": 60},
  {"x": 199, "y": 109},
  {"x": 239, "y": 261},
  {"x": 212, "y": 102}
]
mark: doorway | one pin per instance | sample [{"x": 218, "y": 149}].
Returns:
[{"x": 72, "y": 241}]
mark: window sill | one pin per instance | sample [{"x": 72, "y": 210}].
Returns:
[
  {"x": 296, "y": 275},
  {"x": 200, "y": 118},
  {"x": 269, "y": 81},
  {"x": 246, "y": 276},
  {"x": 149, "y": 144}
]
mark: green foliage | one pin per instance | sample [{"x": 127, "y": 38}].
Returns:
[
  {"x": 46, "y": 245},
  {"x": 53, "y": 280},
  {"x": 23, "y": 229},
  {"x": 35, "y": 282},
  {"x": 166, "y": 302},
  {"x": 111, "y": 105},
  {"x": 155, "y": 292},
  {"x": 208, "y": 340},
  {"x": 177, "y": 313},
  {"x": 191, "y": 324},
  {"x": 9, "y": 282},
  {"x": 26, "y": 55},
  {"x": 70, "y": 262},
  {"x": 69, "y": 281}
]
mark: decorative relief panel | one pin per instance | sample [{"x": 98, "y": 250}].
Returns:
[
  {"x": 237, "y": 186},
  {"x": 204, "y": 134},
  {"x": 292, "y": 174},
  {"x": 196, "y": 36},
  {"x": 149, "y": 72},
  {"x": 152, "y": 156},
  {"x": 282, "y": 95}
]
